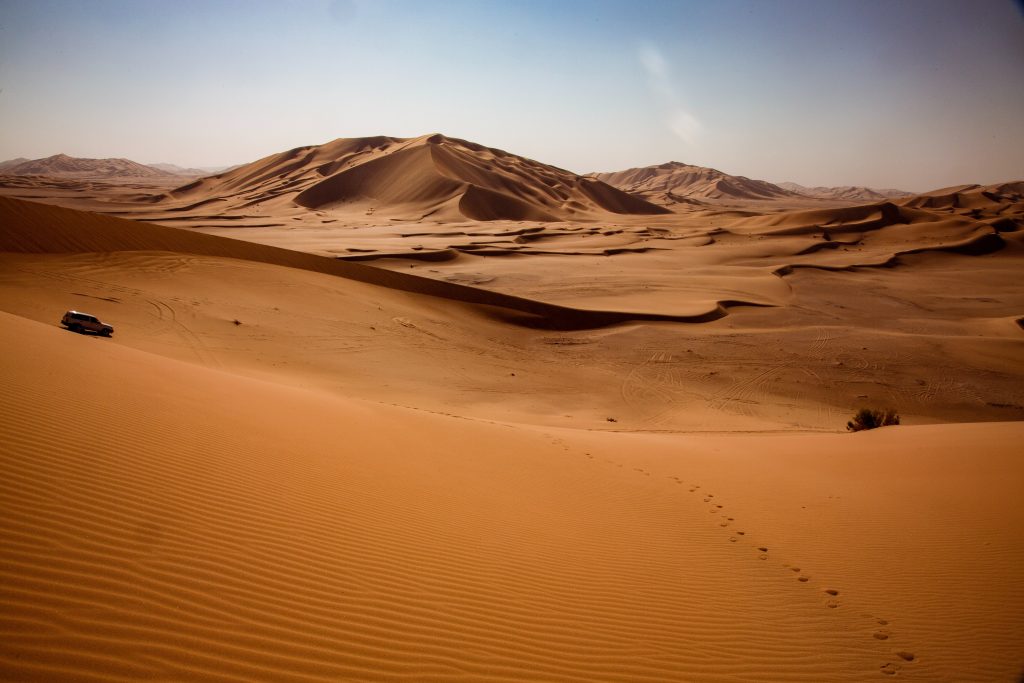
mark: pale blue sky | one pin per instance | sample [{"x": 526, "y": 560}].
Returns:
[{"x": 915, "y": 94}]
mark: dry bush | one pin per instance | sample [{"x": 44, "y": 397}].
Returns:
[{"x": 868, "y": 418}]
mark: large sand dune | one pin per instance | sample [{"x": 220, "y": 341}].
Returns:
[
  {"x": 758, "y": 330},
  {"x": 570, "y": 451},
  {"x": 675, "y": 183},
  {"x": 430, "y": 176},
  {"x": 174, "y": 521}
]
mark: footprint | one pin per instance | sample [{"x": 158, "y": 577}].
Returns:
[
  {"x": 832, "y": 591},
  {"x": 889, "y": 669},
  {"x": 724, "y": 524},
  {"x": 763, "y": 557},
  {"x": 883, "y": 622},
  {"x": 881, "y": 635},
  {"x": 802, "y": 579},
  {"x": 832, "y": 604},
  {"x": 741, "y": 533},
  {"x": 733, "y": 539},
  {"x": 763, "y": 549},
  {"x": 719, "y": 507},
  {"x": 794, "y": 569},
  {"x": 731, "y": 519},
  {"x": 906, "y": 656},
  {"x": 707, "y": 500}
]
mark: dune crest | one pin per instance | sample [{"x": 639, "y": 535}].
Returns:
[
  {"x": 430, "y": 176},
  {"x": 38, "y": 228}
]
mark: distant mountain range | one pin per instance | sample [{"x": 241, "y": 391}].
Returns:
[
  {"x": 847, "y": 192},
  {"x": 11, "y": 163},
  {"x": 672, "y": 185},
  {"x": 676, "y": 183},
  {"x": 193, "y": 172},
  {"x": 64, "y": 166}
]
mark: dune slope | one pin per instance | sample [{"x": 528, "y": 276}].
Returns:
[
  {"x": 432, "y": 176},
  {"x": 38, "y": 228},
  {"x": 173, "y": 521}
]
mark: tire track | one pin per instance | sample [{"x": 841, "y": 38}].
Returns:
[{"x": 166, "y": 313}]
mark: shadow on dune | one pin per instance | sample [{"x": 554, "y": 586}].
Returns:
[{"x": 978, "y": 245}]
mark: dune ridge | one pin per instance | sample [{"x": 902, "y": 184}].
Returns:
[
  {"x": 429, "y": 176},
  {"x": 38, "y": 228}
]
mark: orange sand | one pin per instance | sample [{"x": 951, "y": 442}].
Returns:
[{"x": 291, "y": 467}]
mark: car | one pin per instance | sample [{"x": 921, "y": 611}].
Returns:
[{"x": 76, "y": 321}]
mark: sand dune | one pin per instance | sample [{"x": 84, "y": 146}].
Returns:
[
  {"x": 857, "y": 193},
  {"x": 150, "y": 534},
  {"x": 893, "y": 229},
  {"x": 759, "y": 279},
  {"x": 677, "y": 183},
  {"x": 430, "y": 176},
  {"x": 11, "y": 163},
  {"x": 587, "y": 278},
  {"x": 62, "y": 165},
  {"x": 969, "y": 198},
  {"x": 37, "y": 228},
  {"x": 539, "y": 450}
]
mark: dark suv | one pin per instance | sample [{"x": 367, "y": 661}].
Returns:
[{"x": 76, "y": 321}]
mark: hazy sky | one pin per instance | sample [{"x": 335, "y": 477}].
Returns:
[{"x": 914, "y": 94}]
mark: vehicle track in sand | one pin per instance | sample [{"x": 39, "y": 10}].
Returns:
[{"x": 168, "y": 318}]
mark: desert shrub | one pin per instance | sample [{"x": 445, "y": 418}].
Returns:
[{"x": 867, "y": 418}]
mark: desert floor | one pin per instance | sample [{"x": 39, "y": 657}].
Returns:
[{"x": 502, "y": 450}]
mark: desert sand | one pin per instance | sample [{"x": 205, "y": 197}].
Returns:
[{"x": 388, "y": 409}]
